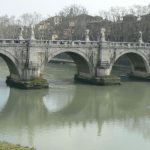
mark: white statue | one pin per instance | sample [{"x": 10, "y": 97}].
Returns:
[
  {"x": 32, "y": 33},
  {"x": 140, "y": 37},
  {"x": 87, "y": 38},
  {"x": 103, "y": 30},
  {"x": 21, "y": 34}
]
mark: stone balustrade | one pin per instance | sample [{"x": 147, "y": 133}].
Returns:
[
  {"x": 78, "y": 43},
  {"x": 50, "y": 42},
  {"x": 126, "y": 44}
]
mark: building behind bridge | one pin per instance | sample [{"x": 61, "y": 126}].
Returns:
[{"x": 73, "y": 28}]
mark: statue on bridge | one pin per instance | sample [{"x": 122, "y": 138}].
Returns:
[
  {"x": 32, "y": 33},
  {"x": 87, "y": 38},
  {"x": 103, "y": 30},
  {"x": 140, "y": 37},
  {"x": 21, "y": 33}
]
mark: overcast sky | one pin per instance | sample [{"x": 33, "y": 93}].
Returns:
[{"x": 51, "y": 7}]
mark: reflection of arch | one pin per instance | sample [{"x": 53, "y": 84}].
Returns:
[
  {"x": 138, "y": 61},
  {"x": 11, "y": 63},
  {"x": 4, "y": 95},
  {"x": 55, "y": 102},
  {"x": 78, "y": 57}
]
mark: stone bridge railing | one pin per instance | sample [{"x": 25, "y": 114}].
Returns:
[
  {"x": 126, "y": 45},
  {"x": 78, "y": 43},
  {"x": 50, "y": 42}
]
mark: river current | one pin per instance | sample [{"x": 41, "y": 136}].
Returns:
[{"x": 75, "y": 116}]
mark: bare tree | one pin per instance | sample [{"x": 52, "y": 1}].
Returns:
[
  {"x": 72, "y": 11},
  {"x": 28, "y": 19}
]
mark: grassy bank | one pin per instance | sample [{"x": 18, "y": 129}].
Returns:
[{"x": 8, "y": 146}]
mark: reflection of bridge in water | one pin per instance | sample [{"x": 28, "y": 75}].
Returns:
[{"x": 85, "y": 107}]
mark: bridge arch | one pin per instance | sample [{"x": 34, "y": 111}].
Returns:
[
  {"x": 81, "y": 60},
  {"x": 138, "y": 61},
  {"x": 11, "y": 63}
]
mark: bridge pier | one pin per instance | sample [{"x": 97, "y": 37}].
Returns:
[
  {"x": 101, "y": 77},
  {"x": 30, "y": 79},
  {"x": 102, "y": 80},
  {"x": 37, "y": 83},
  {"x": 105, "y": 76},
  {"x": 27, "y": 84}
]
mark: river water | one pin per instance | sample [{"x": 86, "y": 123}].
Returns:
[{"x": 74, "y": 116}]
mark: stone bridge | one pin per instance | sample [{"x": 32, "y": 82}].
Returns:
[{"x": 94, "y": 59}]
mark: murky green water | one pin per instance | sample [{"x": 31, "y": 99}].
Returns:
[{"x": 71, "y": 116}]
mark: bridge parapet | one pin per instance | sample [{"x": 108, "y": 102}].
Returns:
[
  {"x": 126, "y": 45},
  {"x": 63, "y": 43},
  {"x": 68, "y": 42},
  {"x": 11, "y": 41},
  {"x": 50, "y": 42}
]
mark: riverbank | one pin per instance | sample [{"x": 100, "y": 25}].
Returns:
[{"x": 8, "y": 146}]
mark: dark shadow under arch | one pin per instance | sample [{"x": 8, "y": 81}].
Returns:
[
  {"x": 137, "y": 62},
  {"x": 82, "y": 64},
  {"x": 11, "y": 66}
]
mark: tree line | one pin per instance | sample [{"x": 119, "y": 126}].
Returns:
[
  {"x": 10, "y": 25},
  {"x": 122, "y": 24}
]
